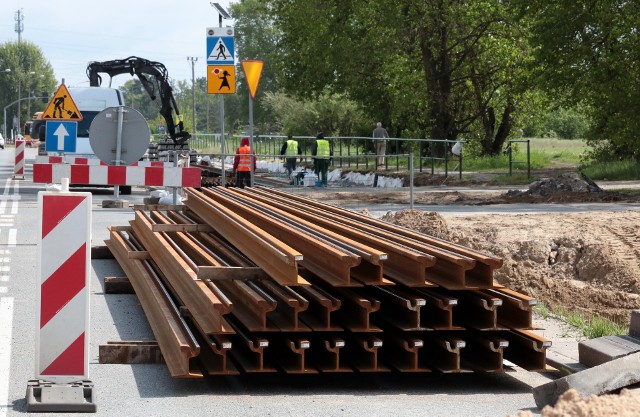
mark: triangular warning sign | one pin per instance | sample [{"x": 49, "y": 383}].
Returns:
[
  {"x": 252, "y": 71},
  {"x": 62, "y": 107}
]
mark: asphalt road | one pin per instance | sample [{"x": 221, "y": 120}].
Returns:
[{"x": 148, "y": 390}]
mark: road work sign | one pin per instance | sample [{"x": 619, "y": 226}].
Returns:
[{"x": 62, "y": 106}]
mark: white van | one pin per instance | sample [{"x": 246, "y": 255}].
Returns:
[{"x": 91, "y": 101}]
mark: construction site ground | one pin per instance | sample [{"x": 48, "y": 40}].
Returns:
[
  {"x": 581, "y": 254},
  {"x": 567, "y": 246}
]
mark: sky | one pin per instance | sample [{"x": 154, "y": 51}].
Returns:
[{"x": 71, "y": 34}]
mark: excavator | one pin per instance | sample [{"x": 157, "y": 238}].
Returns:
[{"x": 154, "y": 77}]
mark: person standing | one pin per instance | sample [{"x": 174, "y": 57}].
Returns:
[
  {"x": 381, "y": 136},
  {"x": 321, "y": 151},
  {"x": 242, "y": 164},
  {"x": 291, "y": 151}
]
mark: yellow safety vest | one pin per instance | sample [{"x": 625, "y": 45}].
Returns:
[
  {"x": 292, "y": 148},
  {"x": 323, "y": 149}
]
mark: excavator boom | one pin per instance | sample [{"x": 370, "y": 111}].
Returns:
[{"x": 154, "y": 78}]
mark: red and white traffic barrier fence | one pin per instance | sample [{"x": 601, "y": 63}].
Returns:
[
  {"x": 73, "y": 160},
  {"x": 64, "y": 271},
  {"x": 18, "y": 168},
  {"x": 117, "y": 175}
]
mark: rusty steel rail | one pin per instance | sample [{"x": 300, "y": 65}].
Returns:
[
  {"x": 516, "y": 311},
  {"x": 277, "y": 259},
  {"x": 206, "y": 308},
  {"x": 484, "y": 352},
  {"x": 249, "y": 350},
  {"x": 215, "y": 359},
  {"x": 480, "y": 276},
  {"x": 325, "y": 354},
  {"x": 328, "y": 255},
  {"x": 178, "y": 345},
  {"x": 411, "y": 263},
  {"x": 355, "y": 311},
  {"x": 442, "y": 353},
  {"x": 413, "y": 309},
  {"x": 289, "y": 354},
  {"x": 321, "y": 305},
  {"x": 402, "y": 353},
  {"x": 362, "y": 353},
  {"x": 526, "y": 349},
  {"x": 405, "y": 263}
]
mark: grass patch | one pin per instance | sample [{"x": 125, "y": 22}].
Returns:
[
  {"x": 591, "y": 327},
  {"x": 613, "y": 171}
]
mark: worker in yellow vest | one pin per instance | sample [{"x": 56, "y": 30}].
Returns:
[
  {"x": 242, "y": 164},
  {"x": 291, "y": 150},
  {"x": 321, "y": 151}
]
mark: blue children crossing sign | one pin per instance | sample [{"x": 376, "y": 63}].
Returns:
[
  {"x": 220, "y": 46},
  {"x": 61, "y": 136}
]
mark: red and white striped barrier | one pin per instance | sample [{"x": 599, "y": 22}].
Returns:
[
  {"x": 117, "y": 175},
  {"x": 18, "y": 168},
  {"x": 41, "y": 159},
  {"x": 62, "y": 342}
]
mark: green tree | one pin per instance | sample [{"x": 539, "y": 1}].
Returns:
[
  {"x": 29, "y": 75},
  {"x": 435, "y": 69},
  {"x": 588, "y": 53}
]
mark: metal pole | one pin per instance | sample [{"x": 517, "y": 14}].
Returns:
[
  {"x": 116, "y": 189},
  {"x": 223, "y": 144},
  {"x": 251, "y": 157},
  {"x": 411, "y": 181},
  {"x": 193, "y": 88},
  {"x": 528, "y": 160}
]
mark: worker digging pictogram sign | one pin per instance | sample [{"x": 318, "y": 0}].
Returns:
[
  {"x": 62, "y": 107},
  {"x": 221, "y": 79}
]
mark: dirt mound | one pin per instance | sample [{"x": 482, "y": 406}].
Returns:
[
  {"x": 570, "y": 404},
  {"x": 587, "y": 262},
  {"x": 428, "y": 222}
]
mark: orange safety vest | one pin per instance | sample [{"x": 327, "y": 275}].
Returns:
[{"x": 245, "y": 159}]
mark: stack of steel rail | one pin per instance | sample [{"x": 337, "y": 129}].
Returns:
[{"x": 260, "y": 280}]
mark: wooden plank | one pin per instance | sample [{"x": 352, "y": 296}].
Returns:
[
  {"x": 118, "y": 285},
  {"x": 130, "y": 352}
]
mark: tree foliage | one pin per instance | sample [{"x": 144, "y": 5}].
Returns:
[
  {"x": 30, "y": 75},
  {"x": 589, "y": 53}
]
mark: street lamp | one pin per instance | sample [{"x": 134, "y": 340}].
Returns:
[
  {"x": 4, "y": 131},
  {"x": 29, "y": 87}
]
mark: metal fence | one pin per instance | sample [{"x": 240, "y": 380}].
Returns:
[{"x": 351, "y": 152}]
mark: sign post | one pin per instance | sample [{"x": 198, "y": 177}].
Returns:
[
  {"x": 252, "y": 71},
  {"x": 221, "y": 73}
]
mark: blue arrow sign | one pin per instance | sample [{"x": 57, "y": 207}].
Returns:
[{"x": 61, "y": 136}]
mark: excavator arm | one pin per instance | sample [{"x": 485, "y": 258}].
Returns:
[{"x": 154, "y": 77}]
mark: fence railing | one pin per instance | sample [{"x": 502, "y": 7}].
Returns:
[{"x": 351, "y": 152}]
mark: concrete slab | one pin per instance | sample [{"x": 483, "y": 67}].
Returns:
[
  {"x": 597, "y": 351},
  {"x": 600, "y": 379},
  {"x": 634, "y": 327}
]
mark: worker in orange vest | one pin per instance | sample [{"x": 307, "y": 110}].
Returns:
[{"x": 242, "y": 164}]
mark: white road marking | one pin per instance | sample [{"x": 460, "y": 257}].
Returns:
[
  {"x": 6, "y": 325},
  {"x": 4, "y": 290},
  {"x": 16, "y": 187},
  {"x": 3, "y": 206},
  {"x": 7, "y": 186},
  {"x": 14, "y": 207},
  {"x": 4, "y": 278},
  {"x": 13, "y": 238}
]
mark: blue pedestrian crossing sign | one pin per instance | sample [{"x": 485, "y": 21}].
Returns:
[
  {"x": 220, "y": 46},
  {"x": 61, "y": 136}
]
